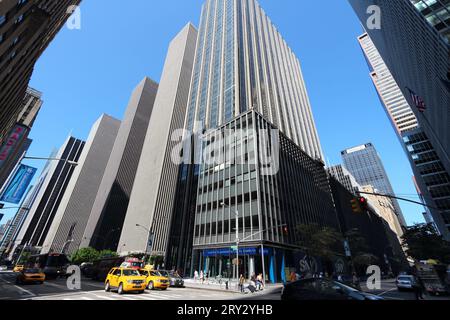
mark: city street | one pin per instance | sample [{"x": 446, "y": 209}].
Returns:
[{"x": 93, "y": 290}]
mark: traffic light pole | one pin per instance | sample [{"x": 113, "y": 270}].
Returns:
[{"x": 398, "y": 198}]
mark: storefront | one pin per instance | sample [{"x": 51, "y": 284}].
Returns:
[{"x": 277, "y": 263}]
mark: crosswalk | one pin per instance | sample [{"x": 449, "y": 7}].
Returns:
[{"x": 101, "y": 295}]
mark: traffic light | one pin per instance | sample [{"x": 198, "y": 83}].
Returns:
[
  {"x": 364, "y": 205},
  {"x": 359, "y": 205}
]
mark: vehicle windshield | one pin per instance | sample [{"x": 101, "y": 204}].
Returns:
[
  {"x": 32, "y": 271},
  {"x": 404, "y": 278},
  {"x": 163, "y": 273},
  {"x": 344, "y": 287},
  {"x": 131, "y": 273}
]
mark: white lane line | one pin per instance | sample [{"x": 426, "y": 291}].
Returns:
[
  {"x": 103, "y": 297},
  {"x": 86, "y": 298},
  {"x": 383, "y": 293},
  {"x": 24, "y": 291}
]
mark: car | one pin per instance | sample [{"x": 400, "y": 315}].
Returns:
[
  {"x": 174, "y": 278},
  {"x": 323, "y": 289},
  {"x": 125, "y": 280},
  {"x": 3, "y": 268},
  {"x": 405, "y": 282},
  {"x": 31, "y": 275},
  {"x": 155, "y": 280},
  {"x": 18, "y": 268}
]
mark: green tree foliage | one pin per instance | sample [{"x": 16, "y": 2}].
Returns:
[
  {"x": 321, "y": 242},
  {"x": 423, "y": 243},
  {"x": 107, "y": 254},
  {"x": 24, "y": 258},
  {"x": 85, "y": 255}
]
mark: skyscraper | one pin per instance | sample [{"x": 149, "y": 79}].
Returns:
[
  {"x": 431, "y": 178},
  {"x": 364, "y": 163},
  {"x": 153, "y": 196},
  {"x": 418, "y": 58},
  {"x": 345, "y": 178},
  {"x": 242, "y": 63},
  {"x": 68, "y": 226},
  {"x": 26, "y": 29},
  {"x": 18, "y": 143},
  {"x": 106, "y": 219},
  {"x": 44, "y": 208},
  {"x": 437, "y": 13}
]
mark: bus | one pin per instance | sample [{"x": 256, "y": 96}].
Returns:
[{"x": 54, "y": 265}]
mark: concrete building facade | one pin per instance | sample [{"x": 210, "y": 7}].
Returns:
[
  {"x": 153, "y": 196},
  {"x": 108, "y": 213},
  {"x": 68, "y": 226}
]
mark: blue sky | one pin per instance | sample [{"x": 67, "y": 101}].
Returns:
[{"x": 91, "y": 71}]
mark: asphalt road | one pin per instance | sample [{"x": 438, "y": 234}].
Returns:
[
  {"x": 92, "y": 290},
  {"x": 389, "y": 292}
]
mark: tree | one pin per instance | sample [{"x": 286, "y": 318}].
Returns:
[
  {"x": 423, "y": 243},
  {"x": 24, "y": 258},
  {"x": 107, "y": 254},
  {"x": 361, "y": 254},
  {"x": 85, "y": 255},
  {"x": 323, "y": 242}
]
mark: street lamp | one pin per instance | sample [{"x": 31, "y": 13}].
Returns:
[
  {"x": 69, "y": 162},
  {"x": 223, "y": 204},
  {"x": 150, "y": 235},
  {"x": 65, "y": 244}
]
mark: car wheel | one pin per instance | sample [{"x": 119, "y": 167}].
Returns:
[
  {"x": 164, "y": 289},
  {"x": 150, "y": 286},
  {"x": 120, "y": 290},
  {"x": 141, "y": 292},
  {"x": 107, "y": 287}
]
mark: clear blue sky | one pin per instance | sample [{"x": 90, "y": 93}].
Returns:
[{"x": 93, "y": 70}]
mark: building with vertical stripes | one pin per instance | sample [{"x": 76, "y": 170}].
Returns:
[
  {"x": 242, "y": 62},
  {"x": 68, "y": 226},
  {"x": 431, "y": 178},
  {"x": 107, "y": 216},
  {"x": 48, "y": 200},
  {"x": 153, "y": 196}
]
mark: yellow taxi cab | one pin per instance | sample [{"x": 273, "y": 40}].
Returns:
[
  {"x": 32, "y": 275},
  {"x": 125, "y": 280},
  {"x": 155, "y": 280},
  {"x": 18, "y": 268}
]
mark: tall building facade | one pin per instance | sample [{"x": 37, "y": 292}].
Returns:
[
  {"x": 18, "y": 143},
  {"x": 431, "y": 178},
  {"x": 153, "y": 196},
  {"x": 26, "y": 29},
  {"x": 69, "y": 224},
  {"x": 44, "y": 208},
  {"x": 437, "y": 13},
  {"x": 418, "y": 58},
  {"x": 364, "y": 163},
  {"x": 256, "y": 185},
  {"x": 108, "y": 213},
  {"x": 242, "y": 63},
  {"x": 345, "y": 178}
]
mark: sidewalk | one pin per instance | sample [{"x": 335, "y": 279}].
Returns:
[{"x": 232, "y": 286}]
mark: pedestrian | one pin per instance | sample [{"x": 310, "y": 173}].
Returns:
[
  {"x": 259, "y": 282},
  {"x": 339, "y": 278},
  {"x": 195, "y": 275},
  {"x": 292, "y": 277},
  {"x": 202, "y": 276},
  {"x": 418, "y": 288},
  {"x": 241, "y": 283}
]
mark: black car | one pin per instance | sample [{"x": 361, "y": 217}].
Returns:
[
  {"x": 175, "y": 280},
  {"x": 323, "y": 289}
]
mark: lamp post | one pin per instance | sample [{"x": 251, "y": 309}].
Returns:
[
  {"x": 150, "y": 235},
  {"x": 223, "y": 204},
  {"x": 65, "y": 244}
]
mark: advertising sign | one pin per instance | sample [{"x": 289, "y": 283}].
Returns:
[
  {"x": 12, "y": 143},
  {"x": 18, "y": 185}
]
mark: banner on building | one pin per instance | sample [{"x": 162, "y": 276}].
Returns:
[
  {"x": 17, "y": 187},
  {"x": 12, "y": 143}
]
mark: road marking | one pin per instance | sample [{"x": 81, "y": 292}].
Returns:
[
  {"x": 86, "y": 298},
  {"x": 390, "y": 290},
  {"x": 24, "y": 291}
]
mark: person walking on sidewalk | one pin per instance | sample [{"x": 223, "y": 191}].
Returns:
[
  {"x": 418, "y": 288},
  {"x": 195, "y": 275},
  {"x": 241, "y": 283}
]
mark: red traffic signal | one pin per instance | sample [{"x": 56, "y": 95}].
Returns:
[{"x": 363, "y": 203}]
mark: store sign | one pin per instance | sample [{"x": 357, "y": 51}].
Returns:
[
  {"x": 18, "y": 185},
  {"x": 230, "y": 251},
  {"x": 12, "y": 143}
]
